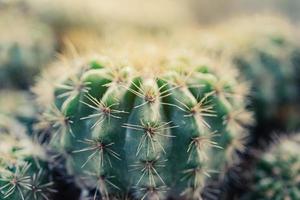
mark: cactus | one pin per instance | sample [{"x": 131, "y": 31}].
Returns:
[
  {"x": 267, "y": 53},
  {"x": 270, "y": 61},
  {"x": 150, "y": 127},
  {"x": 23, "y": 172},
  {"x": 276, "y": 175},
  {"x": 25, "y": 46}
]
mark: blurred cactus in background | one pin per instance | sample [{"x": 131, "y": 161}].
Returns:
[
  {"x": 276, "y": 174},
  {"x": 266, "y": 50},
  {"x": 23, "y": 171},
  {"x": 268, "y": 54},
  {"x": 153, "y": 125},
  {"x": 25, "y": 46}
]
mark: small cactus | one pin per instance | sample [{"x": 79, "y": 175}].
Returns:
[
  {"x": 25, "y": 46},
  {"x": 276, "y": 175},
  {"x": 23, "y": 172},
  {"x": 149, "y": 128}
]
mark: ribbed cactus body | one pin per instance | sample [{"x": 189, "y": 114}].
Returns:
[
  {"x": 153, "y": 135},
  {"x": 271, "y": 64},
  {"x": 23, "y": 170},
  {"x": 267, "y": 54},
  {"x": 276, "y": 175}
]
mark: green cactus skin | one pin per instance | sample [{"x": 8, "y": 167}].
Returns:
[
  {"x": 270, "y": 64},
  {"x": 23, "y": 172},
  {"x": 25, "y": 46},
  {"x": 267, "y": 54},
  {"x": 126, "y": 130},
  {"x": 276, "y": 175}
]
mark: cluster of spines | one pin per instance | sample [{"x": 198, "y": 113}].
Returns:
[
  {"x": 265, "y": 52},
  {"x": 276, "y": 174},
  {"x": 154, "y": 129},
  {"x": 21, "y": 173}
]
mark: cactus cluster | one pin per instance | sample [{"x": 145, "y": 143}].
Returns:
[
  {"x": 149, "y": 130},
  {"x": 23, "y": 171},
  {"x": 276, "y": 175},
  {"x": 25, "y": 46}
]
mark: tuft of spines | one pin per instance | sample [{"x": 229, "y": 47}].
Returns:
[
  {"x": 23, "y": 171},
  {"x": 267, "y": 54},
  {"x": 276, "y": 174},
  {"x": 125, "y": 130}
]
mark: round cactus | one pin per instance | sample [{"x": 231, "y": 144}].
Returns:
[
  {"x": 23, "y": 174},
  {"x": 25, "y": 46},
  {"x": 267, "y": 53},
  {"x": 270, "y": 58},
  {"x": 276, "y": 175},
  {"x": 151, "y": 127}
]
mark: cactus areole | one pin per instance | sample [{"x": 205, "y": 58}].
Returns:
[
  {"x": 150, "y": 133},
  {"x": 276, "y": 175},
  {"x": 23, "y": 171}
]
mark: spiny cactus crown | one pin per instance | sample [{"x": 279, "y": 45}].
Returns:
[
  {"x": 21, "y": 174},
  {"x": 276, "y": 175},
  {"x": 153, "y": 131}
]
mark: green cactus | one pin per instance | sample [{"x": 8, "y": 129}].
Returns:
[
  {"x": 276, "y": 175},
  {"x": 270, "y": 63},
  {"x": 23, "y": 172},
  {"x": 25, "y": 46},
  {"x": 151, "y": 130},
  {"x": 268, "y": 54}
]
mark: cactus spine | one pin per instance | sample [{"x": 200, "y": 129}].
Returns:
[
  {"x": 125, "y": 129},
  {"x": 267, "y": 53},
  {"x": 276, "y": 175},
  {"x": 21, "y": 163}
]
